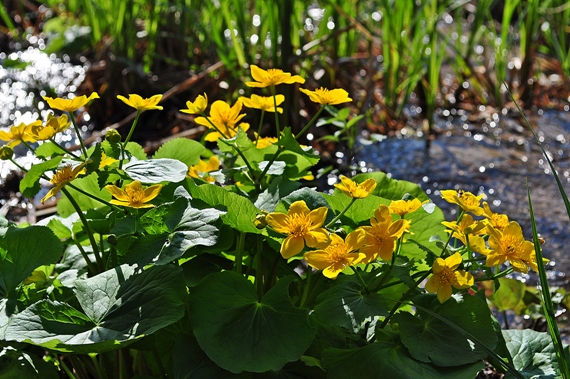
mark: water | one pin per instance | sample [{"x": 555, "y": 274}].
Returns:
[{"x": 496, "y": 155}]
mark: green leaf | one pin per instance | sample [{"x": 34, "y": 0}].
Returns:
[
  {"x": 157, "y": 170},
  {"x": 172, "y": 229},
  {"x": 240, "y": 211},
  {"x": 15, "y": 364},
  {"x": 185, "y": 150},
  {"x": 95, "y": 154},
  {"x": 23, "y": 250},
  {"x": 392, "y": 189},
  {"x": 240, "y": 332},
  {"x": 345, "y": 304},
  {"x": 136, "y": 151},
  {"x": 533, "y": 354},
  {"x": 30, "y": 185},
  {"x": 430, "y": 340},
  {"x": 278, "y": 188},
  {"x": 88, "y": 184},
  {"x": 120, "y": 305},
  {"x": 360, "y": 212},
  {"x": 203, "y": 265},
  {"x": 390, "y": 359},
  {"x": 48, "y": 150},
  {"x": 509, "y": 295},
  {"x": 62, "y": 227}
]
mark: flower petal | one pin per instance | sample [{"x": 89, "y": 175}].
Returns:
[
  {"x": 292, "y": 246},
  {"x": 117, "y": 193},
  {"x": 433, "y": 284},
  {"x": 318, "y": 238},
  {"x": 444, "y": 293},
  {"x": 318, "y": 259},
  {"x": 151, "y": 192}
]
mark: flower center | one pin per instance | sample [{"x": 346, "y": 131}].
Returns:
[
  {"x": 337, "y": 253},
  {"x": 299, "y": 225},
  {"x": 135, "y": 196},
  {"x": 446, "y": 276},
  {"x": 64, "y": 175}
]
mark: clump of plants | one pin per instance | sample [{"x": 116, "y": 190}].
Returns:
[{"x": 223, "y": 263}]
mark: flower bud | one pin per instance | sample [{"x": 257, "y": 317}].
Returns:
[
  {"x": 113, "y": 136},
  {"x": 259, "y": 221},
  {"x": 6, "y": 153},
  {"x": 112, "y": 240}
]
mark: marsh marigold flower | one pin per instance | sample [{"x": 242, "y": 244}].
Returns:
[
  {"x": 445, "y": 275},
  {"x": 469, "y": 229},
  {"x": 327, "y": 97},
  {"x": 134, "y": 195},
  {"x": 265, "y": 103},
  {"x": 70, "y": 105},
  {"x": 466, "y": 200},
  {"x": 198, "y": 106},
  {"x": 53, "y": 126},
  {"x": 356, "y": 190},
  {"x": 496, "y": 220},
  {"x": 19, "y": 133},
  {"x": 203, "y": 168},
  {"x": 382, "y": 234},
  {"x": 62, "y": 177},
  {"x": 302, "y": 226},
  {"x": 225, "y": 119},
  {"x": 338, "y": 255},
  {"x": 271, "y": 77},
  {"x": 509, "y": 245},
  {"x": 403, "y": 207},
  {"x": 141, "y": 104}
]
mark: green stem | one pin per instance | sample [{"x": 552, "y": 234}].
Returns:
[
  {"x": 159, "y": 362},
  {"x": 239, "y": 253},
  {"x": 93, "y": 197},
  {"x": 98, "y": 258},
  {"x": 392, "y": 262},
  {"x": 496, "y": 276},
  {"x": 341, "y": 213},
  {"x": 361, "y": 280},
  {"x": 307, "y": 286},
  {"x": 277, "y": 128},
  {"x": 28, "y": 145},
  {"x": 100, "y": 372},
  {"x": 124, "y": 144},
  {"x": 92, "y": 267},
  {"x": 310, "y": 122},
  {"x": 273, "y": 158},
  {"x": 403, "y": 298},
  {"x": 52, "y": 140},
  {"x": 261, "y": 125},
  {"x": 259, "y": 267},
  {"x": 83, "y": 149},
  {"x": 17, "y": 165},
  {"x": 66, "y": 369}
]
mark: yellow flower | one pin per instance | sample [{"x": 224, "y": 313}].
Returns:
[
  {"x": 53, "y": 126},
  {"x": 198, "y": 106},
  {"x": 356, "y": 190},
  {"x": 263, "y": 142},
  {"x": 70, "y": 105},
  {"x": 470, "y": 229},
  {"x": 106, "y": 161},
  {"x": 301, "y": 225},
  {"x": 225, "y": 119},
  {"x": 327, "y": 97},
  {"x": 509, "y": 244},
  {"x": 338, "y": 254},
  {"x": 18, "y": 134},
  {"x": 496, "y": 220},
  {"x": 403, "y": 207},
  {"x": 264, "y": 103},
  {"x": 466, "y": 200},
  {"x": 271, "y": 77},
  {"x": 445, "y": 275},
  {"x": 202, "y": 169},
  {"x": 382, "y": 234},
  {"x": 141, "y": 104},
  {"x": 134, "y": 195},
  {"x": 61, "y": 177}
]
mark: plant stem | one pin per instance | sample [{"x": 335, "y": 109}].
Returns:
[
  {"x": 124, "y": 144},
  {"x": 277, "y": 128},
  {"x": 100, "y": 263},
  {"x": 261, "y": 125},
  {"x": 361, "y": 280},
  {"x": 17, "y": 165},
  {"x": 52, "y": 140},
  {"x": 307, "y": 286},
  {"x": 239, "y": 253},
  {"x": 92, "y": 268},
  {"x": 259, "y": 266},
  {"x": 402, "y": 299},
  {"x": 341, "y": 213},
  {"x": 310, "y": 122},
  {"x": 83, "y": 149},
  {"x": 392, "y": 262},
  {"x": 93, "y": 197}
]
